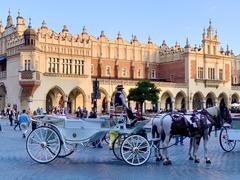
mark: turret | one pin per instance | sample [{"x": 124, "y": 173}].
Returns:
[
  {"x": 29, "y": 35},
  {"x": 65, "y": 30},
  {"x": 1, "y": 27},
  {"x": 9, "y": 20},
  {"x": 20, "y": 24}
]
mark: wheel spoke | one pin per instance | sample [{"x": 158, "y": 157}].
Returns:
[
  {"x": 36, "y": 133},
  {"x": 138, "y": 159},
  {"x": 49, "y": 136},
  {"x": 126, "y": 152},
  {"x": 143, "y": 147},
  {"x": 140, "y": 154},
  {"x": 134, "y": 155},
  {"x": 33, "y": 139},
  {"x": 131, "y": 154}
]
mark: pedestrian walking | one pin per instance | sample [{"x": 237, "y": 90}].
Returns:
[
  {"x": 24, "y": 122},
  {"x": 17, "y": 123}
]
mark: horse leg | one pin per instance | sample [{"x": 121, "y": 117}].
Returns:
[
  {"x": 166, "y": 160},
  {"x": 195, "y": 149},
  {"x": 155, "y": 134},
  {"x": 190, "y": 148},
  {"x": 157, "y": 151},
  {"x": 205, "y": 144}
]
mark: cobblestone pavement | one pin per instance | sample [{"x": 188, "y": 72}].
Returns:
[{"x": 95, "y": 163}]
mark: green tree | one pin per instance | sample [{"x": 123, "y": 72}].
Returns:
[{"x": 145, "y": 91}]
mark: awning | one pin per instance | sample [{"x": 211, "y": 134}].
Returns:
[{"x": 2, "y": 58}]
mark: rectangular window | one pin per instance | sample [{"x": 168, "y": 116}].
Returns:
[
  {"x": 139, "y": 73},
  {"x": 92, "y": 69},
  {"x": 153, "y": 74},
  {"x": 108, "y": 73},
  {"x": 82, "y": 67},
  {"x": 27, "y": 65},
  {"x": 200, "y": 72},
  {"x": 220, "y": 74},
  {"x": 211, "y": 73},
  {"x": 124, "y": 72}
]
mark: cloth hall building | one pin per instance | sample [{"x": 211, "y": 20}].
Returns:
[{"x": 43, "y": 68}]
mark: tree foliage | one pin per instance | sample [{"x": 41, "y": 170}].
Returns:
[{"x": 145, "y": 91}]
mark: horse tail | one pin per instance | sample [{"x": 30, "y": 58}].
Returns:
[{"x": 155, "y": 133}]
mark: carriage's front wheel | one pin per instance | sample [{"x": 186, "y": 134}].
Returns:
[
  {"x": 43, "y": 144},
  {"x": 135, "y": 150},
  {"x": 226, "y": 144}
]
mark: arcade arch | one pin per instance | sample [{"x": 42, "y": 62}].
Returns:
[
  {"x": 235, "y": 98},
  {"x": 197, "y": 100},
  {"x": 180, "y": 100},
  {"x": 210, "y": 100},
  {"x": 76, "y": 98},
  {"x": 55, "y": 98},
  {"x": 167, "y": 101}
]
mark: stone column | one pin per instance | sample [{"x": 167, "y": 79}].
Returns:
[
  {"x": 65, "y": 100},
  {"x": 203, "y": 104}
]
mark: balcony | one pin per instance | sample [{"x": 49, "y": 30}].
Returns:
[
  {"x": 3, "y": 74},
  {"x": 210, "y": 82},
  {"x": 29, "y": 80}
]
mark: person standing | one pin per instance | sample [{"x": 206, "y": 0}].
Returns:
[
  {"x": 10, "y": 116},
  {"x": 119, "y": 107},
  {"x": 24, "y": 121}
]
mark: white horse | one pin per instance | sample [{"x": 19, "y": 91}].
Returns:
[{"x": 195, "y": 125}]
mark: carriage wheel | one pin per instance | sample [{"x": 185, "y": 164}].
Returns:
[
  {"x": 226, "y": 144},
  {"x": 117, "y": 146},
  {"x": 43, "y": 144},
  {"x": 66, "y": 150},
  {"x": 135, "y": 150}
]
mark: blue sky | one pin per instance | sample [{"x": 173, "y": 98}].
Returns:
[{"x": 162, "y": 20}]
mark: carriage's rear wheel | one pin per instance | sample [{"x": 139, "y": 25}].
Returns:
[
  {"x": 43, "y": 144},
  {"x": 226, "y": 144},
  {"x": 117, "y": 145},
  {"x": 66, "y": 150},
  {"x": 135, "y": 150}
]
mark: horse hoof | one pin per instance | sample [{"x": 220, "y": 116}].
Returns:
[
  {"x": 158, "y": 159},
  {"x": 208, "y": 161},
  {"x": 197, "y": 161},
  {"x": 165, "y": 163},
  {"x": 191, "y": 158},
  {"x": 168, "y": 162}
]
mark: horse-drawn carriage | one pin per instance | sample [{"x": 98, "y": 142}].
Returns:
[
  {"x": 58, "y": 136},
  {"x": 230, "y": 133}
]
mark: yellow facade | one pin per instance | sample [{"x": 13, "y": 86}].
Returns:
[{"x": 41, "y": 68}]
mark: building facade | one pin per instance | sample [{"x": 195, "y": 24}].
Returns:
[{"x": 42, "y": 68}]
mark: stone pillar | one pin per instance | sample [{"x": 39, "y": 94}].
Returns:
[
  {"x": 116, "y": 71},
  {"x": 203, "y": 104},
  {"x": 132, "y": 72},
  {"x": 173, "y": 104},
  {"x": 65, "y": 100}
]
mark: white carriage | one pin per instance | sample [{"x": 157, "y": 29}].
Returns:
[
  {"x": 230, "y": 133},
  {"x": 58, "y": 136}
]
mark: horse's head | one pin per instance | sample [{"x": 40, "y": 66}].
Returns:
[{"x": 213, "y": 116}]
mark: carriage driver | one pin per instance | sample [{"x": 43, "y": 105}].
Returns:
[{"x": 119, "y": 107}]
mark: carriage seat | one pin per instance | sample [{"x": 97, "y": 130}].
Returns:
[{"x": 82, "y": 124}]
